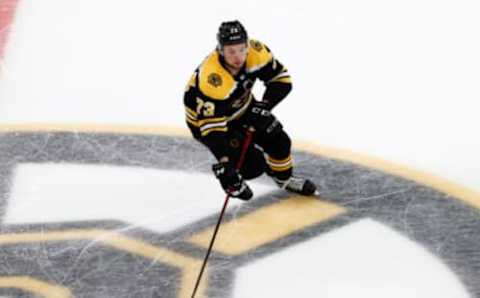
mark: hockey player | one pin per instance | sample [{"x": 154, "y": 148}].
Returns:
[{"x": 220, "y": 107}]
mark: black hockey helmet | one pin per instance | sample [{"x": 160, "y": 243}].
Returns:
[{"x": 231, "y": 32}]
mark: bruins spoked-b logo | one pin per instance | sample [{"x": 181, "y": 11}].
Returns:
[
  {"x": 256, "y": 45},
  {"x": 95, "y": 256},
  {"x": 215, "y": 80}
]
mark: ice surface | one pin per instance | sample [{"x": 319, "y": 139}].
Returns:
[
  {"x": 159, "y": 200},
  {"x": 364, "y": 259},
  {"x": 104, "y": 205}
]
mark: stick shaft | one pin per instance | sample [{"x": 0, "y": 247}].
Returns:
[{"x": 246, "y": 143}]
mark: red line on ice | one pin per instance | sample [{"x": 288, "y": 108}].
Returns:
[{"x": 7, "y": 11}]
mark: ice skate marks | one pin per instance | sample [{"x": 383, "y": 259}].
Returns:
[{"x": 352, "y": 192}]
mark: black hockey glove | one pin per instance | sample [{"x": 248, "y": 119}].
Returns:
[
  {"x": 231, "y": 181},
  {"x": 259, "y": 116}
]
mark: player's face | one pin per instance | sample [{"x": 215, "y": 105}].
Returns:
[{"x": 235, "y": 55}]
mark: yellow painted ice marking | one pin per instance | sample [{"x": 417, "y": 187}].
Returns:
[
  {"x": 89, "y": 128},
  {"x": 188, "y": 265},
  {"x": 268, "y": 224},
  {"x": 457, "y": 191},
  {"x": 35, "y": 286}
]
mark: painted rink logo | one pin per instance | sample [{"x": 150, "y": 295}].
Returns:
[{"x": 91, "y": 213}]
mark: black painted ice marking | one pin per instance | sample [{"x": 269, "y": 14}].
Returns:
[{"x": 448, "y": 228}]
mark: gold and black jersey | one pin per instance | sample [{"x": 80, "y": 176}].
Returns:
[{"x": 214, "y": 97}]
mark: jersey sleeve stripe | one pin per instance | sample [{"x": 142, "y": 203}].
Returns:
[
  {"x": 192, "y": 122},
  {"x": 283, "y": 74},
  {"x": 204, "y": 122},
  {"x": 206, "y": 132},
  {"x": 212, "y": 120},
  {"x": 190, "y": 117},
  {"x": 213, "y": 125},
  {"x": 283, "y": 80},
  {"x": 190, "y": 112}
]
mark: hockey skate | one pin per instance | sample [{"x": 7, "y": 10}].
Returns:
[{"x": 298, "y": 185}]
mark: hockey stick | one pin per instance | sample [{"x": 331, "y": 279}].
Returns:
[{"x": 246, "y": 143}]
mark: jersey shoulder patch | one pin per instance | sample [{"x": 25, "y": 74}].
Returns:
[
  {"x": 214, "y": 80},
  {"x": 258, "y": 55}
]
